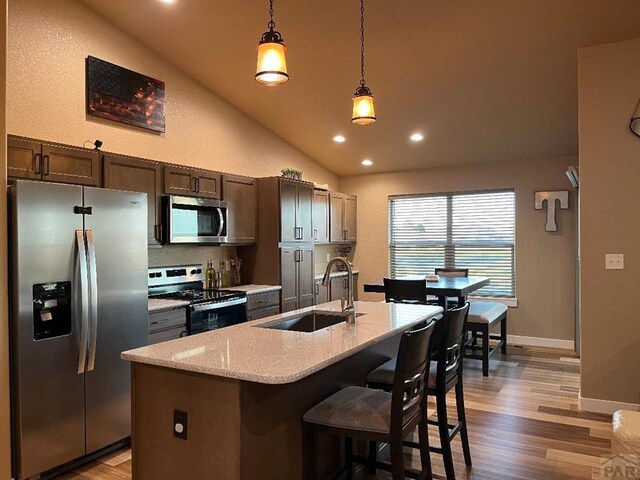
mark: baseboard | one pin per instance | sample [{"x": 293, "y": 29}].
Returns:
[
  {"x": 605, "y": 406},
  {"x": 540, "y": 342}
]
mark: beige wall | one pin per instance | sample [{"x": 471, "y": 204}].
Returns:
[
  {"x": 545, "y": 262},
  {"x": 47, "y": 46},
  {"x": 48, "y": 43},
  {"x": 609, "y": 81},
  {"x": 5, "y": 449}
]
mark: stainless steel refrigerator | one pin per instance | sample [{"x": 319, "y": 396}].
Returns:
[{"x": 79, "y": 298}]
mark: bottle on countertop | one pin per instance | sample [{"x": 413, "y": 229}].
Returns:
[{"x": 210, "y": 275}]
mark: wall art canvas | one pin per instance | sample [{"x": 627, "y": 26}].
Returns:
[{"x": 122, "y": 95}]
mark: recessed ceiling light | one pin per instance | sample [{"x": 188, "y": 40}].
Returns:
[
  {"x": 339, "y": 139},
  {"x": 416, "y": 137},
  {"x": 366, "y": 162}
]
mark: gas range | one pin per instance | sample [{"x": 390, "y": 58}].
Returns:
[{"x": 208, "y": 309}]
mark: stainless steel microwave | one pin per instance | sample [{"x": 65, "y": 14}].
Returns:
[{"x": 194, "y": 220}]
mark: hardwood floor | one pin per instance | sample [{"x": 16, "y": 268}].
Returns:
[{"x": 523, "y": 421}]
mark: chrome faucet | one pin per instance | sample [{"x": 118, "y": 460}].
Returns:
[{"x": 348, "y": 308}]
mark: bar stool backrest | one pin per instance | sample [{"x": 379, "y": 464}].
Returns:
[
  {"x": 450, "y": 340},
  {"x": 452, "y": 272},
  {"x": 405, "y": 291},
  {"x": 412, "y": 365}
]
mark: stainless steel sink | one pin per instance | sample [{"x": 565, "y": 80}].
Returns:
[{"x": 310, "y": 322}]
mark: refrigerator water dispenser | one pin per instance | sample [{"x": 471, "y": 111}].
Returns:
[{"x": 51, "y": 310}]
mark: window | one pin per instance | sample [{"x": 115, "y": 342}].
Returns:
[{"x": 474, "y": 230}]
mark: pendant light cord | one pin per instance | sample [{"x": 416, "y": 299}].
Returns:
[
  {"x": 271, "y": 23},
  {"x": 362, "y": 81}
]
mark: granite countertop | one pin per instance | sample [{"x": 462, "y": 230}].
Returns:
[
  {"x": 156, "y": 304},
  {"x": 334, "y": 274},
  {"x": 263, "y": 355},
  {"x": 255, "y": 288}
]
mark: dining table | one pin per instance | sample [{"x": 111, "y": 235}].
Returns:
[{"x": 444, "y": 289}]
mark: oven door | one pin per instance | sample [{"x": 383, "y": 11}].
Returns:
[
  {"x": 205, "y": 317},
  {"x": 195, "y": 220}
]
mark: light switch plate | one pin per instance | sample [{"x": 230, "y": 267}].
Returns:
[
  {"x": 614, "y": 261},
  {"x": 328, "y": 257}
]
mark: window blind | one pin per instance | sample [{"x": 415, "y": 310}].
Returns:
[{"x": 474, "y": 230}]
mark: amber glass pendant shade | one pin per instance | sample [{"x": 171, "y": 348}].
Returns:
[
  {"x": 363, "y": 110},
  {"x": 272, "y": 65}
]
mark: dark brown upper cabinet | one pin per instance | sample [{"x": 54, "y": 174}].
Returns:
[
  {"x": 137, "y": 175},
  {"x": 191, "y": 182},
  {"x": 53, "y": 163},
  {"x": 296, "y": 211},
  {"x": 240, "y": 195},
  {"x": 343, "y": 218},
  {"x": 320, "y": 216}
]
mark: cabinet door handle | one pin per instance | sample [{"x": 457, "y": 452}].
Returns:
[
  {"x": 301, "y": 233},
  {"x": 194, "y": 188},
  {"x": 317, "y": 288},
  {"x": 197, "y": 185},
  {"x": 301, "y": 255},
  {"x": 315, "y": 233},
  {"x": 47, "y": 165},
  {"x": 37, "y": 159},
  {"x": 158, "y": 233},
  {"x": 296, "y": 256},
  {"x": 345, "y": 283}
]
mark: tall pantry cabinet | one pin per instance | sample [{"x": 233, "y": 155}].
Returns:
[{"x": 284, "y": 254}]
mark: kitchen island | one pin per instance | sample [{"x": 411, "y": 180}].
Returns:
[{"x": 245, "y": 388}]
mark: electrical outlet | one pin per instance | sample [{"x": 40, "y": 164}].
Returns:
[
  {"x": 614, "y": 261},
  {"x": 180, "y": 424},
  {"x": 328, "y": 257}
]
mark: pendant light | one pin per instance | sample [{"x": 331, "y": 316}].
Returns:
[
  {"x": 363, "y": 112},
  {"x": 272, "y": 66}
]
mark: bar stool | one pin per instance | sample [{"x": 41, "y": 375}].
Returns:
[
  {"x": 375, "y": 415},
  {"x": 405, "y": 291},
  {"x": 444, "y": 374}
]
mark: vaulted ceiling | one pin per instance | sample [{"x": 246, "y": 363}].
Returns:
[{"x": 483, "y": 80}]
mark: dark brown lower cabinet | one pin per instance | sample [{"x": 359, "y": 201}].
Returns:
[
  {"x": 297, "y": 277},
  {"x": 340, "y": 287},
  {"x": 136, "y": 175},
  {"x": 322, "y": 292}
]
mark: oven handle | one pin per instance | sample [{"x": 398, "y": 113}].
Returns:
[
  {"x": 221, "y": 221},
  {"x": 216, "y": 305}
]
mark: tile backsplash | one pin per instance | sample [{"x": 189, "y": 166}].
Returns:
[
  {"x": 169, "y": 255},
  {"x": 321, "y": 252}
]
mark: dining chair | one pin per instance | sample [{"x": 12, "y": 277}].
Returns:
[
  {"x": 452, "y": 272},
  {"x": 483, "y": 316},
  {"x": 405, "y": 291},
  {"x": 380, "y": 416},
  {"x": 445, "y": 374}
]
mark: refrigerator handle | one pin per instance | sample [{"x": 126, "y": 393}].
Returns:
[
  {"x": 93, "y": 304},
  {"x": 81, "y": 261}
]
